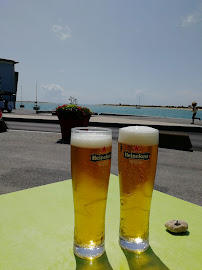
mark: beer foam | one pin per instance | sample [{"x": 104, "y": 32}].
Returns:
[
  {"x": 139, "y": 135},
  {"x": 91, "y": 140}
]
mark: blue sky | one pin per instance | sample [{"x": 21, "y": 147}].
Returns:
[{"x": 105, "y": 51}]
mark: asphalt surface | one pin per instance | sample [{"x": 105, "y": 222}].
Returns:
[
  {"x": 34, "y": 158},
  {"x": 195, "y": 137}
]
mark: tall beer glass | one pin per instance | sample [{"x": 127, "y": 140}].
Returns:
[
  {"x": 137, "y": 159},
  {"x": 90, "y": 168}
]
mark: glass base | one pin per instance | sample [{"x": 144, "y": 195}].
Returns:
[
  {"x": 136, "y": 245},
  {"x": 89, "y": 253}
]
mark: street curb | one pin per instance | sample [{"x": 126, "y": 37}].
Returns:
[
  {"x": 107, "y": 124},
  {"x": 33, "y": 120},
  {"x": 159, "y": 127},
  {"x": 167, "y": 140}
]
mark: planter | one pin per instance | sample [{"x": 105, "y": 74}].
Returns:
[
  {"x": 71, "y": 116},
  {"x": 67, "y": 123}
]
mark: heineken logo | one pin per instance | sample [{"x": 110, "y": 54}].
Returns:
[
  {"x": 96, "y": 157},
  {"x": 136, "y": 148},
  {"x": 131, "y": 155}
]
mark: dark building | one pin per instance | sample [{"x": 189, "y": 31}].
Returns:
[{"x": 8, "y": 81}]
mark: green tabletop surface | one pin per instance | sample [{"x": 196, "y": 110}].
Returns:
[{"x": 36, "y": 232}]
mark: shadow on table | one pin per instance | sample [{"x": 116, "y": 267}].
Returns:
[
  {"x": 101, "y": 263},
  {"x": 144, "y": 260},
  {"x": 187, "y": 233}
]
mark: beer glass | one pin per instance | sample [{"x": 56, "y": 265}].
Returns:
[
  {"x": 90, "y": 168},
  {"x": 137, "y": 159}
]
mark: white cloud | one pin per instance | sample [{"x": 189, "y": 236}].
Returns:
[
  {"x": 139, "y": 95},
  {"x": 139, "y": 92},
  {"x": 53, "y": 93},
  {"x": 189, "y": 95},
  {"x": 192, "y": 18},
  {"x": 61, "y": 31},
  {"x": 56, "y": 94}
]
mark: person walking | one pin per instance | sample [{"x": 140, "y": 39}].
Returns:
[{"x": 194, "y": 112}]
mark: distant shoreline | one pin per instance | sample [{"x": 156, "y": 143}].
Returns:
[
  {"x": 151, "y": 106},
  {"x": 128, "y": 105}
]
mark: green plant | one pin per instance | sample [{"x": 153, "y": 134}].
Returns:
[{"x": 73, "y": 111}]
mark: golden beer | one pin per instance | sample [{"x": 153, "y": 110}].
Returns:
[
  {"x": 90, "y": 168},
  {"x": 137, "y": 159}
]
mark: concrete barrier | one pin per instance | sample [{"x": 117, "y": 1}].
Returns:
[{"x": 175, "y": 141}]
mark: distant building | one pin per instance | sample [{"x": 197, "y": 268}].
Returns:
[{"x": 8, "y": 80}]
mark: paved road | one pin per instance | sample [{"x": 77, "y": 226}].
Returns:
[
  {"x": 46, "y": 127},
  {"x": 32, "y": 158},
  {"x": 196, "y": 138}
]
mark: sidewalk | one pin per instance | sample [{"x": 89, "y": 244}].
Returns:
[{"x": 169, "y": 124}]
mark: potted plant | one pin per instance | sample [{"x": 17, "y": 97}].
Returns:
[{"x": 72, "y": 116}]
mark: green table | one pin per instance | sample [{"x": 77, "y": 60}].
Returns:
[{"x": 36, "y": 232}]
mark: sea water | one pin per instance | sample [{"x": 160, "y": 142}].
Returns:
[{"x": 124, "y": 110}]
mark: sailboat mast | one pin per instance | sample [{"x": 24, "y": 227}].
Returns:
[
  {"x": 36, "y": 107},
  {"x": 36, "y": 93},
  {"x": 21, "y": 94}
]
